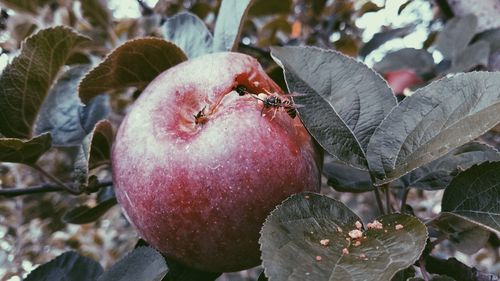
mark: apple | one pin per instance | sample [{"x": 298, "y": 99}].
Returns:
[
  {"x": 399, "y": 80},
  {"x": 197, "y": 167}
]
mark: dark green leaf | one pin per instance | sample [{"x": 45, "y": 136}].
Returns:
[
  {"x": 69, "y": 266},
  {"x": 344, "y": 178},
  {"x": 27, "y": 80},
  {"x": 97, "y": 13},
  {"x": 133, "y": 64},
  {"x": 24, "y": 151},
  {"x": 261, "y": 8},
  {"x": 380, "y": 38},
  {"x": 456, "y": 35},
  {"x": 85, "y": 214},
  {"x": 290, "y": 242},
  {"x": 473, "y": 56},
  {"x": 179, "y": 272},
  {"x": 343, "y": 100},
  {"x": 143, "y": 263},
  {"x": 404, "y": 274},
  {"x": 434, "y": 120},
  {"x": 467, "y": 235},
  {"x": 63, "y": 115},
  {"x": 30, "y": 6},
  {"x": 492, "y": 37},
  {"x": 475, "y": 194},
  {"x": 94, "y": 151},
  {"x": 439, "y": 173},
  {"x": 418, "y": 60},
  {"x": 229, "y": 22},
  {"x": 189, "y": 33}
]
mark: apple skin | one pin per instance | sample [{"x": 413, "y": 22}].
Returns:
[
  {"x": 401, "y": 79},
  {"x": 199, "y": 193}
]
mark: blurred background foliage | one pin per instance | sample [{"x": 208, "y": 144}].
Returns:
[{"x": 380, "y": 33}]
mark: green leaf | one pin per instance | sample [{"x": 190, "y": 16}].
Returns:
[
  {"x": 85, "y": 214},
  {"x": 229, "y": 22},
  {"x": 179, "y": 272},
  {"x": 475, "y": 194},
  {"x": 69, "y": 266},
  {"x": 473, "y": 56},
  {"x": 380, "y": 38},
  {"x": 27, "y": 6},
  {"x": 342, "y": 100},
  {"x": 94, "y": 151},
  {"x": 418, "y": 60},
  {"x": 189, "y": 33},
  {"x": 143, "y": 263},
  {"x": 466, "y": 235},
  {"x": 456, "y": 35},
  {"x": 434, "y": 120},
  {"x": 290, "y": 242},
  {"x": 261, "y": 8},
  {"x": 24, "y": 151},
  {"x": 344, "y": 178},
  {"x": 63, "y": 115},
  {"x": 439, "y": 173},
  {"x": 134, "y": 64},
  {"x": 97, "y": 13},
  {"x": 27, "y": 80}
]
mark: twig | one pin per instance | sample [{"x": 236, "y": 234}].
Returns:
[
  {"x": 12, "y": 192},
  {"x": 457, "y": 270},
  {"x": 49, "y": 187},
  {"x": 55, "y": 179}
]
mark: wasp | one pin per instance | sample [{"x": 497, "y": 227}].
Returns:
[{"x": 271, "y": 100}]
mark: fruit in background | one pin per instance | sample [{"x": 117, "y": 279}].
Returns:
[
  {"x": 399, "y": 80},
  {"x": 197, "y": 167}
]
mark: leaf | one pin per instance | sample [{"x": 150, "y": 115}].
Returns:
[
  {"x": 94, "y": 151},
  {"x": 492, "y": 37},
  {"x": 261, "y": 8},
  {"x": 143, "y": 263},
  {"x": 179, "y": 272},
  {"x": 29, "y": 6},
  {"x": 189, "y": 33},
  {"x": 134, "y": 64},
  {"x": 345, "y": 178},
  {"x": 27, "y": 80},
  {"x": 466, "y": 235},
  {"x": 84, "y": 214},
  {"x": 475, "y": 194},
  {"x": 418, "y": 60},
  {"x": 486, "y": 11},
  {"x": 229, "y": 23},
  {"x": 24, "y": 151},
  {"x": 380, "y": 38},
  {"x": 474, "y": 55},
  {"x": 97, "y": 13},
  {"x": 456, "y": 35},
  {"x": 343, "y": 100},
  {"x": 63, "y": 115},
  {"x": 439, "y": 173},
  {"x": 434, "y": 120},
  {"x": 291, "y": 235},
  {"x": 69, "y": 266}
]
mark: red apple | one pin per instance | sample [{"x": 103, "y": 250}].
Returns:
[
  {"x": 197, "y": 167},
  {"x": 399, "y": 80}
]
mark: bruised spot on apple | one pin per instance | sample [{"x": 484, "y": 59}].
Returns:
[{"x": 199, "y": 192}]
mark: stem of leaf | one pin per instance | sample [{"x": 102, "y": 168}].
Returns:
[
  {"x": 425, "y": 274},
  {"x": 379, "y": 200},
  {"x": 55, "y": 179},
  {"x": 404, "y": 197},
  {"x": 387, "y": 198}
]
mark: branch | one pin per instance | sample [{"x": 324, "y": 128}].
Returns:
[
  {"x": 457, "y": 270},
  {"x": 49, "y": 187}
]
